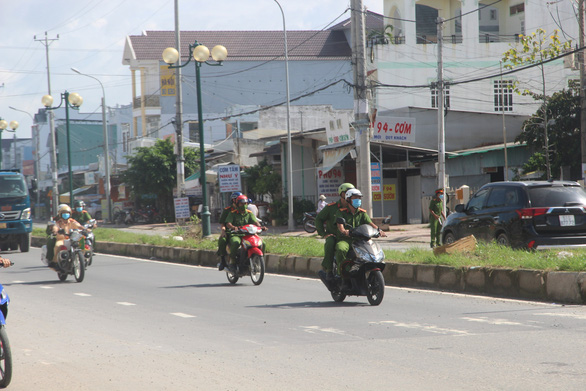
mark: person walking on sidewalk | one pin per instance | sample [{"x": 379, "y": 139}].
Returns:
[{"x": 436, "y": 217}]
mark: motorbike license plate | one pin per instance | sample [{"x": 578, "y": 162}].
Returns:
[
  {"x": 2, "y": 225},
  {"x": 567, "y": 220}
]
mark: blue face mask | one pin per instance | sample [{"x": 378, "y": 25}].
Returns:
[
  {"x": 79, "y": 209},
  {"x": 441, "y": 197},
  {"x": 65, "y": 216},
  {"x": 357, "y": 202}
]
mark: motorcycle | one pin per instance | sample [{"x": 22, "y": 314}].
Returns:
[
  {"x": 70, "y": 258},
  {"x": 5, "y": 352},
  {"x": 250, "y": 257},
  {"x": 89, "y": 242},
  {"x": 362, "y": 268},
  {"x": 309, "y": 221}
]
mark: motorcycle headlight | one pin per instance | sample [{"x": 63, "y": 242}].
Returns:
[
  {"x": 26, "y": 214},
  {"x": 376, "y": 257},
  {"x": 76, "y": 236}
]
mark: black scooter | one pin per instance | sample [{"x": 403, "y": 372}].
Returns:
[{"x": 362, "y": 268}]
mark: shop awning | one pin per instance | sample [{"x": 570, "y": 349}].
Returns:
[{"x": 334, "y": 153}]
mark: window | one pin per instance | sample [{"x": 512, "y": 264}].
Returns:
[
  {"x": 493, "y": 15},
  {"x": 434, "y": 93},
  {"x": 517, "y": 9},
  {"x": 503, "y": 95},
  {"x": 125, "y": 130},
  {"x": 477, "y": 201}
]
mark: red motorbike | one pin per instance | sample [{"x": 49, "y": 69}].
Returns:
[{"x": 250, "y": 258}]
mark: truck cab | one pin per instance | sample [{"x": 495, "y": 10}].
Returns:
[{"x": 16, "y": 224}]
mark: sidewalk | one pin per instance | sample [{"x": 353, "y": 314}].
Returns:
[{"x": 409, "y": 233}]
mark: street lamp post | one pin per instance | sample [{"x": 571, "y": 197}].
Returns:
[
  {"x": 3, "y": 126},
  {"x": 73, "y": 100},
  {"x": 106, "y": 146},
  {"x": 200, "y": 54},
  {"x": 291, "y": 221}
]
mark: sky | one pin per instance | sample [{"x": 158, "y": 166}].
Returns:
[{"x": 92, "y": 34}]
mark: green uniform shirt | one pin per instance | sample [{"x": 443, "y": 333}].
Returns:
[
  {"x": 354, "y": 220},
  {"x": 436, "y": 205},
  {"x": 239, "y": 219},
  {"x": 81, "y": 217},
  {"x": 328, "y": 216},
  {"x": 225, "y": 214}
]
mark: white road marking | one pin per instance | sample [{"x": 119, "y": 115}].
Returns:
[
  {"x": 314, "y": 329},
  {"x": 45, "y": 287},
  {"x": 499, "y": 322},
  {"x": 182, "y": 315},
  {"x": 18, "y": 282},
  {"x": 82, "y": 294},
  {"x": 125, "y": 303},
  {"x": 424, "y": 327}
]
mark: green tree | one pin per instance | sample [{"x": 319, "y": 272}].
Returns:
[
  {"x": 153, "y": 170},
  {"x": 535, "y": 49},
  {"x": 263, "y": 178},
  {"x": 563, "y": 110}
]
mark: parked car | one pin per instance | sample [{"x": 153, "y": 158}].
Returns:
[
  {"x": 522, "y": 215},
  {"x": 94, "y": 209}
]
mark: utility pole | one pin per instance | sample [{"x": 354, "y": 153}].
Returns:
[
  {"x": 47, "y": 42},
  {"x": 361, "y": 121},
  {"x": 179, "y": 113},
  {"x": 441, "y": 158},
  {"x": 582, "y": 90}
]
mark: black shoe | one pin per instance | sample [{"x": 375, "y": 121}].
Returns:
[
  {"x": 329, "y": 276},
  {"x": 222, "y": 264}
]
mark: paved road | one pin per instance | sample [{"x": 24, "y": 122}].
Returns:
[{"x": 142, "y": 325}]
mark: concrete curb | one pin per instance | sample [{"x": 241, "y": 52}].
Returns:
[{"x": 558, "y": 287}]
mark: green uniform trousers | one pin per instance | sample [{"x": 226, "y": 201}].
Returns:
[
  {"x": 436, "y": 228},
  {"x": 329, "y": 251},
  {"x": 222, "y": 242},
  {"x": 234, "y": 243},
  {"x": 51, "y": 248},
  {"x": 342, "y": 248}
]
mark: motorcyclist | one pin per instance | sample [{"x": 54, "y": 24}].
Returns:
[
  {"x": 222, "y": 240},
  {"x": 80, "y": 215},
  {"x": 354, "y": 216},
  {"x": 64, "y": 223},
  {"x": 237, "y": 218},
  {"x": 327, "y": 216}
]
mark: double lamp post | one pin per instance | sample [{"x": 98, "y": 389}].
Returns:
[
  {"x": 3, "y": 126},
  {"x": 200, "y": 54},
  {"x": 73, "y": 100}
]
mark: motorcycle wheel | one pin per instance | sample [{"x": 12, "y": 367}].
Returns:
[
  {"x": 375, "y": 288},
  {"x": 337, "y": 295},
  {"x": 309, "y": 226},
  {"x": 78, "y": 266},
  {"x": 232, "y": 277},
  {"x": 62, "y": 276},
  {"x": 5, "y": 359},
  {"x": 257, "y": 269},
  {"x": 89, "y": 259}
]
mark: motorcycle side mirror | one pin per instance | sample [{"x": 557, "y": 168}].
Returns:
[
  {"x": 92, "y": 221},
  {"x": 341, "y": 220}
]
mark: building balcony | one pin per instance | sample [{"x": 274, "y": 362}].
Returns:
[{"x": 151, "y": 101}]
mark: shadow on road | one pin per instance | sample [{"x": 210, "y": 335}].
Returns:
[
  {"x": 222, "y": 285},
  {"x": 312, "y": 304}
]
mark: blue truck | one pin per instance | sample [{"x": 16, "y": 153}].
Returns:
[{"x": 16, "y": 224}]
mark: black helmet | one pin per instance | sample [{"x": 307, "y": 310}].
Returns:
[{"x": 78, "y": 204}]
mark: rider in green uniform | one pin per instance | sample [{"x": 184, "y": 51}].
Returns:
[
  {"x": 237, "y": 218},
  {"x": 354, "y": 216},
  {"x": 222, "y": 240},
  {"x": 327, "y": 216},
  {"x": 79, "y": 214}
]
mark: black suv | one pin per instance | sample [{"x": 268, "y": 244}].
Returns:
[{"x": 522, "y": 215}]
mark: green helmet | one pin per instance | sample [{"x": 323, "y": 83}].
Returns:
[{"x": 345, "y": 187}]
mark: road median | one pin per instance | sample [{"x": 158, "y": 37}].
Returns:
[{"x": 549, "y": 286}]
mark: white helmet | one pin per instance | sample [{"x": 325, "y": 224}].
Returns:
[
  {"x": 322, "y": 197},
  {"x": 353, "y": 192}
]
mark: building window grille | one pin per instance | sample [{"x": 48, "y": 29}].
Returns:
[{"x": 503, "y": 95}]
